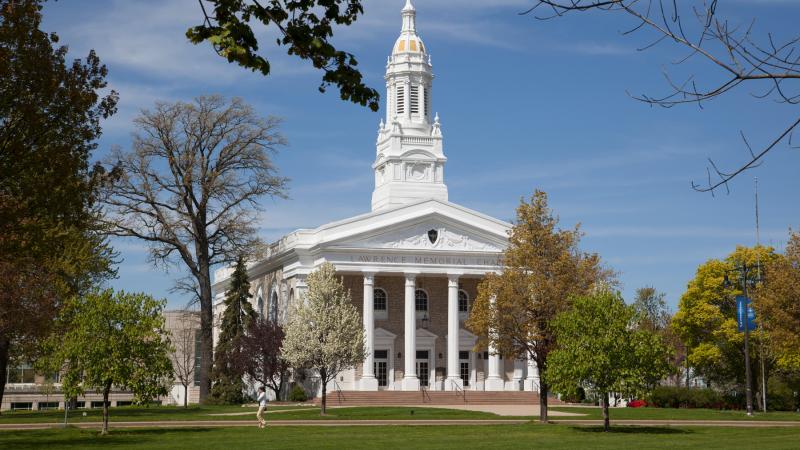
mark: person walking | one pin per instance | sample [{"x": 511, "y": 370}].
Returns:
[{"x": 262, "y": 407}]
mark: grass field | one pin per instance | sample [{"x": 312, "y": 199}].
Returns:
[
  {"x": 410, "y": 437},
  {"x": 672, "y": 414}
]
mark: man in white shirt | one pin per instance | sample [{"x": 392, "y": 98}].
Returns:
[{"x": 262, "y": 406}]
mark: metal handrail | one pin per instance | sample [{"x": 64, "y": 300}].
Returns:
[
  {"x": 459, "y": 389},
  {"x": 425, "y": 394},
  {"x": 339, "y": 394}
]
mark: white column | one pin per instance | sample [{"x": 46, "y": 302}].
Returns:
[
  {"x": 519, "y": 374},
  {"x": 368, "y": 380},
  {"x": 494, "y": 382},
  {"x": 453, "y": 369},
  {"x": 532, "y": 380},
  {"x": 410, "y": 380}
]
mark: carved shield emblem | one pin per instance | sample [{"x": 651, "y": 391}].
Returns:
[{"x": 432, "y": 236}]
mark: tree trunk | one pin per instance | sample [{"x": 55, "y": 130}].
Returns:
[
  {"x": 687, "y": 368},
  {"x": 606, "y": 422},
  {"x": 544, "y": 391},
  {"x": 5, "y": 345},
  {"x": 185, "y": 395},
  {"x": 106, "y": 391},
  {"x": 206, "y": 328},
  {"x": 323, "y": 378}
]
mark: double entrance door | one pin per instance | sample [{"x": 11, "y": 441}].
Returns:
[
  {"x": 423, "y": 368},
  {"x": 382, "y": 368}
]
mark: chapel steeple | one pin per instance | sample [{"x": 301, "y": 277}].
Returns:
[{"x": 409, "y": 165}]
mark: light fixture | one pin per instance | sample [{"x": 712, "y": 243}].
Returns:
[
  {"x": 399, "y": 355},
  {"x": 425, "y": 321}
]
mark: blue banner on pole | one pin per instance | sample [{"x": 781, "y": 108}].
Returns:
[{"x": 745, "y": 309}]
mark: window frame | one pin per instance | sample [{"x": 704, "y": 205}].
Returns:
[
  {"x": 380, "y": 314},
  {"x": 421, "y": 312}
]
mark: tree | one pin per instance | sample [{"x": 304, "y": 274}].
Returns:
[
  {"x": 599, "y": 349},
  {"x": 190, "y": 188},
  {"x": 182, "y": 338},
  {"x": 261, "y": 357},
  {"x": 305, "y": 28},
  {"x": 776, "y": 303},
  {"x": 106, "y": 340},
  {"x": 542, "y": 270},
  {"x": 651, "y": 309},
  {"x": 50, "y": 113},
  {"x": 324, "y": 333},
  {"x": 227, "y": 384},
  {"x": 706, "y": 318},
  {"x": 768, "y": 64}
]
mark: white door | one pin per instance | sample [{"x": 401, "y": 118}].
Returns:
[{"x": 423, "y": 368}]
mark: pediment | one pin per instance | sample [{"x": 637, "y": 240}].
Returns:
[
  {"x": 382, "y": 333},
  {"x": 429, "y": 234}
]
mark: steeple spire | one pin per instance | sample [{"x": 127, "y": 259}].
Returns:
[{"x": 409, "y": 18}]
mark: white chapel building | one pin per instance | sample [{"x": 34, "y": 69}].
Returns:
[{"x": 412, "y": 264}]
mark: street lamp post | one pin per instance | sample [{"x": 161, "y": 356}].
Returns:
[{"x": 743, "y": 271}]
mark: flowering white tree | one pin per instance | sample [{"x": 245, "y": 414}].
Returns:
[{"x": 324, "y": 332}]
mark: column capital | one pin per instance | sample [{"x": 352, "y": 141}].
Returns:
[
  {"x": 452, "y": 279},
  {"x": 369, "y": 277},
  {"x": 411, "y": 278}
]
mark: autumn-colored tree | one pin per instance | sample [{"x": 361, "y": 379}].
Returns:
[
  {"x": 324, "y": 332},
  {"x": 191, "y": 189},
  {"x": 601, "y": 349},
  {"x": 542, "y": 270},
  {"x": 50, "y": 114},
  {"x": 777, "y": 304},
  {"x": 706, "y": 318},
  {"x": 107, "y": 340},
  {"x": 261, "y": 357},
  {"x": 227, "y": 376}
]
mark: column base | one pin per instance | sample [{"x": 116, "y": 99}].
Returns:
[
  {"x": 494, "y": 384},
  {"x": 368, "y": 384},
  {"x": 410, "y": 384},
  {"x": 451, "y": 382}
]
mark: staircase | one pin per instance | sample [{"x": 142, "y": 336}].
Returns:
[{"x": 406, "y": 398}]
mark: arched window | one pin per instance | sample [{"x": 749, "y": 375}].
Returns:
[
  {"x": 273, "y": 307},
  {"x": 421, "y": 300},
  {"x": 379, "y": 299},
  {"x": 260, "y": 302},
  {"x": 463, "y": 302}
]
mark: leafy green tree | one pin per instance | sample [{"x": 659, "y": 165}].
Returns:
[
  {"x": 227, "y": 384},
  {"x": 706, "y": 318},
  {"x": 543, "y": 269},
  {"x": 50, "y": 113},
  {"x": 324, "y": 332},
  {"x": 305, "y": 28},
  {"x": 600, "y": 349},
  {"x": 651, "y": 309},
  {"x": 108, "y": 339}
]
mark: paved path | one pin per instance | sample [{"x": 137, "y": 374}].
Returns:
[{"x": 454, "y": 422}]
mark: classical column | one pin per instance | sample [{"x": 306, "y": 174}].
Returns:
[
  {"x": 532, "y": 380},
  {"x": 519, "y": 374},
  {"x": 410, "y": 380},
  {"x": 368, "y": 380},
  {"x": 453, "y": 369},
  {"x": 494, "y": 382}
]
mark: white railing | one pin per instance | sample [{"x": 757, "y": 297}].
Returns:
[{"x": 417, "y": 140}]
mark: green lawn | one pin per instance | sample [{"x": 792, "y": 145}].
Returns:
[
  {"x": 408, "y": 437},
  {"x": 671, "y": 414}
]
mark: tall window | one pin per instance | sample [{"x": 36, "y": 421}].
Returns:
[
  {"x": 273, "y": 307},
  {"x": 260, "y": 303},
  {"x": 413, "y": 93},
  {"x": 401, "y": 99},
  {"x": 421, "y": 300},
  {"x": 379, "y": 299},
  {"x": 426, "y": 99},
  {"x": 22, "y": 373},
  {"x": 463, "y": 302}
]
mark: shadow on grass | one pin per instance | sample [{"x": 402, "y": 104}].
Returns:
[{"x": 633, "y": 430}]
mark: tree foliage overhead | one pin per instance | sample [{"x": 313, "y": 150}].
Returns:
[
  {"x": 191, "y": 187},
  {"x": 768, "y": 63},
  {"x": 227, "y": 384},
  {"x": 706, "y": 317},
  {"x": 777, "y": 303},
  {"x": 599, "y": 348},
  {"x": 106, "y": 340},
  {"x": 543, "y": 269},
  {"x": 304, "y": 27},
  {"x": 50, "y": 114},
  {"x": 324, "y": 332}
]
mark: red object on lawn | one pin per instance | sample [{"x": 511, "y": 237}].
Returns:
[{"x": 637, "y": 404}]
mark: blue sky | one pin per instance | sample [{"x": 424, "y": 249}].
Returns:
[{"x": 524, "y": 104}]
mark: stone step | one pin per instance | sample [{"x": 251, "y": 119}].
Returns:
[{"x": 399, "y": 398}]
